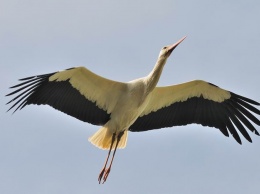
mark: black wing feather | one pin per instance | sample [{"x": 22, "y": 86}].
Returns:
[
  {"x": 226, "y": 115},
  {"x": 58, "y": 94}
]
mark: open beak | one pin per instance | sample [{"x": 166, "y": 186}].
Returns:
[{"x": 172, "y": 47}]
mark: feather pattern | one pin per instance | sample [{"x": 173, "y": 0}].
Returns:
[
  {"x": 69, "y": 94},
  {"x": 209, "y": 106}
]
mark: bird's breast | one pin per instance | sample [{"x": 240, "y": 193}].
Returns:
[{"x": 129, "y": 107}]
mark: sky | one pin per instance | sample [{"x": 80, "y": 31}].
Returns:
[{"x": 44, "y": 151}]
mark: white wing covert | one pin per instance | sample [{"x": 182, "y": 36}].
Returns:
[
  {"x": 77, "y": 92},
  {"x": 198, "y": 102}
]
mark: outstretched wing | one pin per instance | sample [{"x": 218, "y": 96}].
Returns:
[
  {"x": 202, "y": 103},
  {"x": 77, "y": 92}
]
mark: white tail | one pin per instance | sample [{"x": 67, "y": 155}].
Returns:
[{"x": 103, "y": 138}]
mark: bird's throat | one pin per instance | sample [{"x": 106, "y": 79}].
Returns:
[{"x": 155, "y": 74}]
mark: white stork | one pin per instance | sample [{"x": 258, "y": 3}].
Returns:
[{"x": 137, "y": 105}]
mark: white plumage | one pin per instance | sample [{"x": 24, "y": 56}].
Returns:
[{"x": 137, "y": 105}]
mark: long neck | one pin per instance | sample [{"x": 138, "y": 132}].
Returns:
[{"x": 154, "y": 76}]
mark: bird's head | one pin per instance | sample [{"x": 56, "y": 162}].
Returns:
[{"x": 167, "y": 50}]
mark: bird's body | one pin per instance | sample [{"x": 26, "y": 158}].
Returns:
[
  {"x": 126, "y": 110},
  {"x": 137, "y": 105}
]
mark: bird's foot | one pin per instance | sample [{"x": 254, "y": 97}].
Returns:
[
  {"x": 104, "y": 174},
  {"x": 101, "y": 175},
  {"x": 107, "y": 171}
]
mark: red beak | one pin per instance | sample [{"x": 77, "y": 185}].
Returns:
[{"x": 172, "y": 47}]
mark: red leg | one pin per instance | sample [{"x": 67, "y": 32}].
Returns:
[
  {"x": 107, "y": 171},
  {"x": 104, "y": 168}
]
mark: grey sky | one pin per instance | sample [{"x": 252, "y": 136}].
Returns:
[{"x": 45, "y": 151}]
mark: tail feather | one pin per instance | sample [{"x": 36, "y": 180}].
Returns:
[{"x": 103, "y": 138}]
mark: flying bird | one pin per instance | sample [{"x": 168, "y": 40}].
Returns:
[{"x": 137, "y": 105}]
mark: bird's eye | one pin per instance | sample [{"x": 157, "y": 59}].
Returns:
[{"x": 164, "y": 47}]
